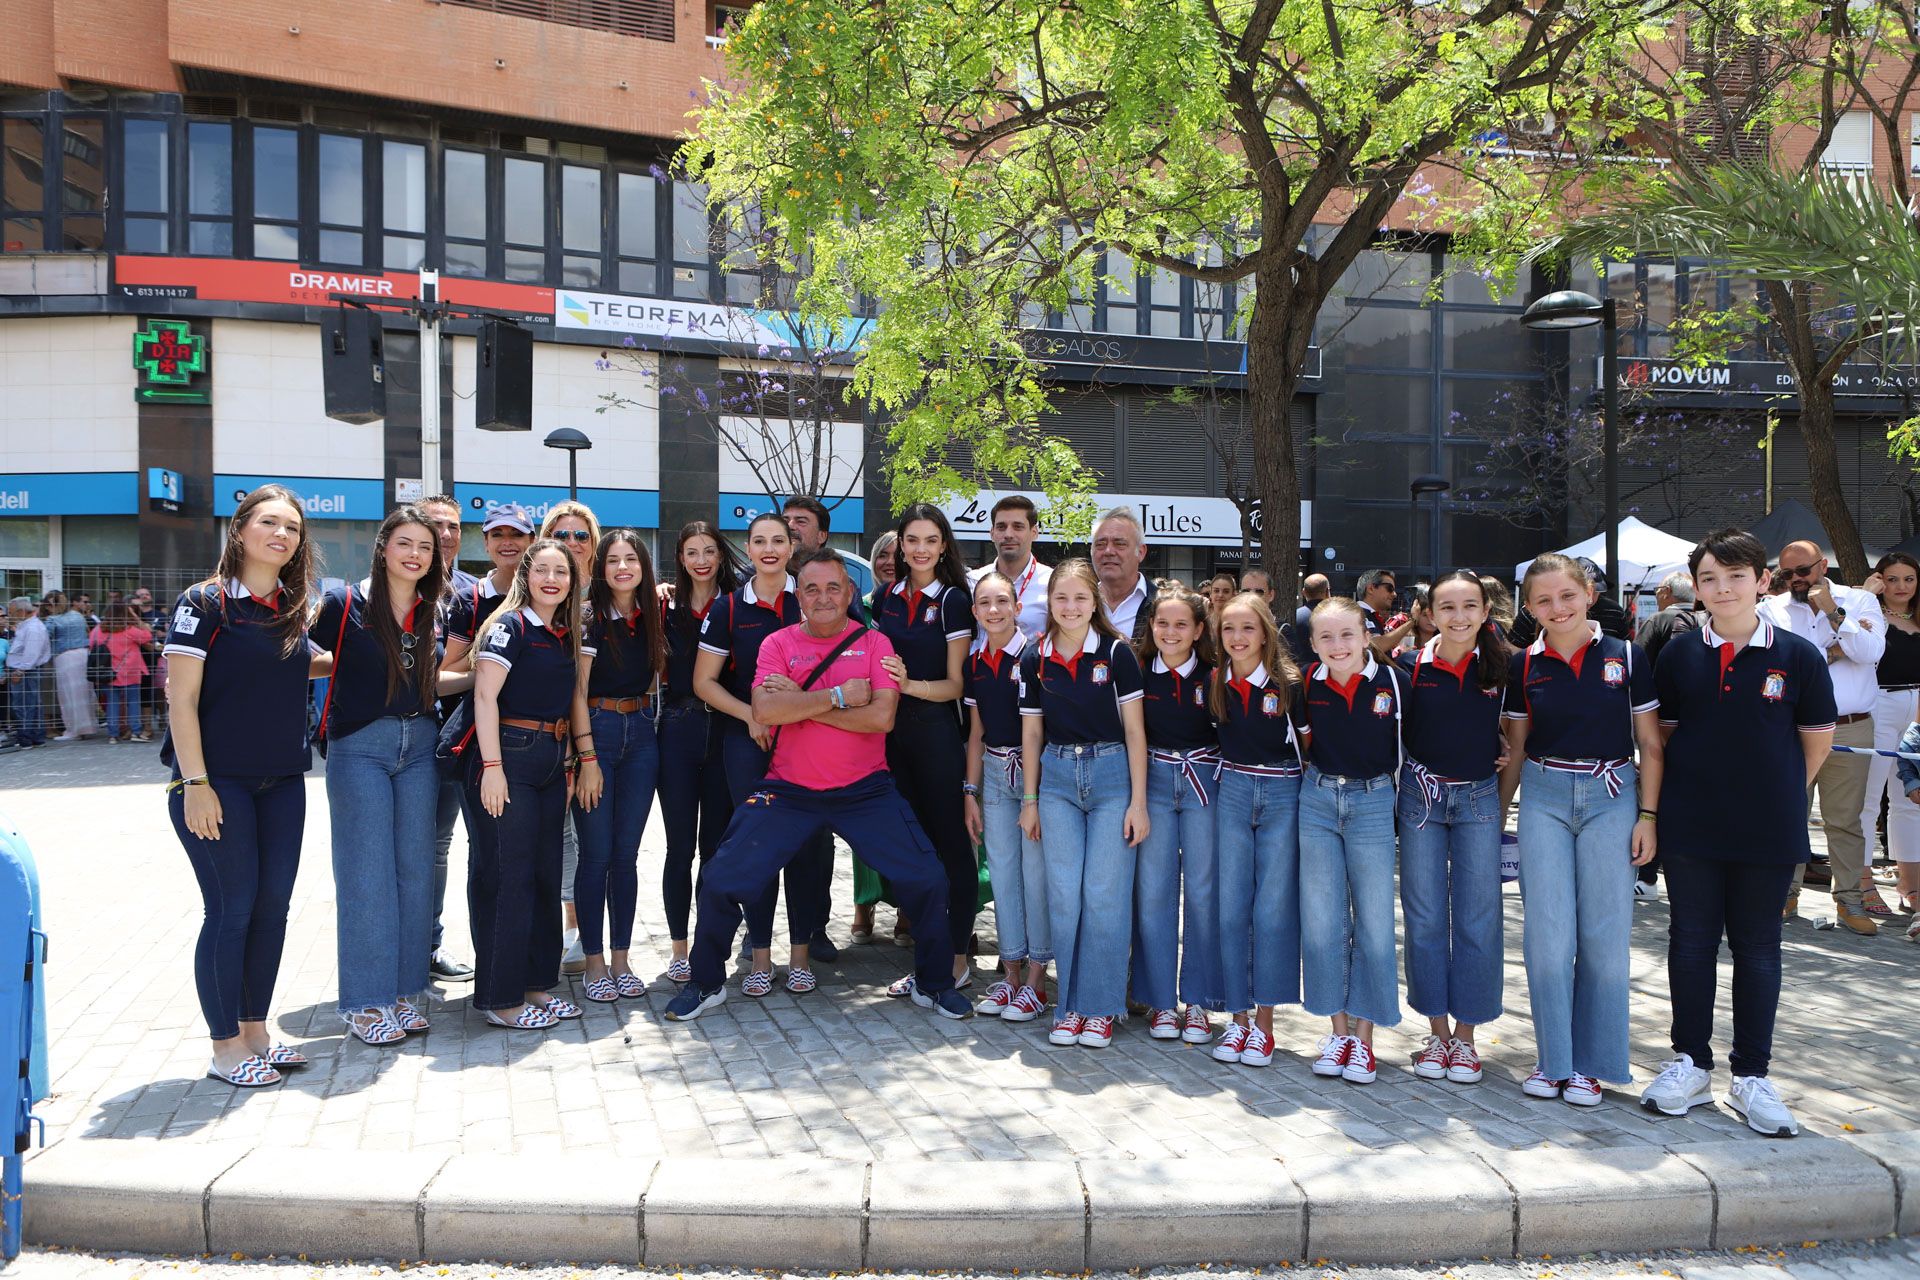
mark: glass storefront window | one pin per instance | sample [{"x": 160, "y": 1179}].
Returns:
[
  {"x": 1382, "y": 337},
  {"x": 1486, "y": 340},
  {"x": 25, "y": 538},
  {"x": 100, "y": 540}
]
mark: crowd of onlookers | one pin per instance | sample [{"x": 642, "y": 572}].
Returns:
[{"x": 74, "y": 670}]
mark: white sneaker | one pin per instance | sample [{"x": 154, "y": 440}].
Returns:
[
  {"x": 1755, "y": 1098},
  {"x": 573, "y": 959},
  {"x": 1678, "y": 1088},
  {"x": 1646, "y": 892}
]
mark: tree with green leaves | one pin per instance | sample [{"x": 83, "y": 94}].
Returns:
[{"x": 966, "y": 166}]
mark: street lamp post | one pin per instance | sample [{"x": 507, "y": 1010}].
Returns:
[
  {"x": 1570, "y": 309},
  {"x": 573, "y": 441},
  {"x": 1427, "y": 484}
]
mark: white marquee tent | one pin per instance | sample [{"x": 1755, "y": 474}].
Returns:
[{"x": 1646, "y": 554}]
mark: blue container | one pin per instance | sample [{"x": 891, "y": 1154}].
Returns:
[{"x": 23, "y": 1014}]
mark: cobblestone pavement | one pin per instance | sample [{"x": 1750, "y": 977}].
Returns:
[
  {"x": 843, "y": 1072},
  {"x": 1882, "y": 1260}
]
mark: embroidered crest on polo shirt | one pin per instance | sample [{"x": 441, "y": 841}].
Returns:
[
  {"x": 1199, "y": 695},
  {"x": 1270, "y": 705},
  {"x": 1383, "y": 703},
  {"x": 1099, "y": 673},
  {"x": 1774, "y": 687},
  {"x": 933, "y": 613},
  {"x": 499, "y": 637},
  {"x": 1614, "y": 671},
  {"x": 184, "y": 621}
]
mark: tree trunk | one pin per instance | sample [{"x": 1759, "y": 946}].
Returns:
[
  {"x": 1273, "y": 372},
  {"x": 1792, "y": 307}
]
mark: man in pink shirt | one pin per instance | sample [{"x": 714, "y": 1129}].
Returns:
[{"x": 829, "y": 772}]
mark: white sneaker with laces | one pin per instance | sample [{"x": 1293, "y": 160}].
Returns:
[
  {"x": 1755, "y": 1098},
  {"x": 1678, "y": 1088},
  {"x": 1645, "y": 892},
  {"x": 1231, "y": 1044},
  {"x": 1334, "y": 1052}
]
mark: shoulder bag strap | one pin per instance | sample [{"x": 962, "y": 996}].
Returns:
[
  {"x": 339, "y": 644},
  {"x": 833, "y": 654}
]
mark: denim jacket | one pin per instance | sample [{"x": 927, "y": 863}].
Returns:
[{"x": 1909, "y": 770}]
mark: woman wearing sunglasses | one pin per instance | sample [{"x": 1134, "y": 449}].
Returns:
[
  {"x": 574, "y": 526},
  {"x": 383, "y": 785}
]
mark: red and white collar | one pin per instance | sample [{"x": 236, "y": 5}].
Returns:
[
  {"x": 746, "y": 591},
  {"x": 1539, "y": 646},
  {"x": 533, "y": 619},
  {"x": 1761, "y": 638},
  {"x": 1012, "y": 649},
  {"x": 1184, "y": 670},
  {"x": 237, "y": 590},
  {"x": 1258, "y": 677},
  {"x": 900, "y": 588},
  {"x": 1091, "y": 644},
  {"x": 1321, "y": 671}
]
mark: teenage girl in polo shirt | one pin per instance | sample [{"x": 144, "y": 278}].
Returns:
[
  {"x": 383, "y": 783},
  {"x": 1255, "y": 699},
  {"x": 1084, "y": 743},
  {"x": 1578, "y": 702},
  {"x": 572, "y": 524},
  {"x": 1450, "y": 827},
  {"x": 237, "y": 670},
  {"x": 1171, "y": 932},
  {"x": 730, "y": 640},
  {"x": 995, "y": 781},
  {"x": 694, "y": 805},
  {"x": 1354, "y": 706},
  {"x": 926, "y": 614},
  {"x": 526, "y": 664},
  {"x": 622, "y": 651}
]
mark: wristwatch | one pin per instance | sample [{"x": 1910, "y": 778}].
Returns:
[{"x": 1838, "y": 616}]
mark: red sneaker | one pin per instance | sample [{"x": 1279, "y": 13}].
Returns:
[
  {"x": 1163, "y": 1024},
  {"x": 1097, "y": 1033},
  {"x": 1196, "y": 1028},
  {"x": 1334, "y": 1051},
  {"x": 1066, "y": 1029},
  {"x": 1361, "y": 1067},
  {"x": 995, "y": 1002},
  {"x": 1026, "y": 1005},
  {"x": 1431, "y": 1062},
  {"x": 1463, "y": 1062},
  {"x": 1232, "y": 1044},
  {"x": 1259, "y": 1050}
]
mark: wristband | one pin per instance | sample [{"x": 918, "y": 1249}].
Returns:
[
  {"x": 1030, "y": 799},
  {"x": 970, "y": 789},
  {"x": 839, "y": 698},
  {"x": 489, "y": 764},
  {"x": 584, "y": 756},
  {"x": 1649, "y": 813}
]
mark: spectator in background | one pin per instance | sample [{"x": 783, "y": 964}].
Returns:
[
  {"x": 1674, "y": 595},
  {"x": 26, "y": 659},
  {"x": 1257, "y": 581},
  {"x": 1219, "y": 590},
  {"x": 1777, "y": 583},
  {"x": 1499, "y": 602},
  {"x": 127, "y": 640},
  {"x": 83, "y": 605},
  {"x": 67, "y": 634},
  {"x": 882, "y": 557},
  {"x": 1376, "y": 590},
  {"x": 1313, "y": 589},
  {"x": 1119, "y": 547}
]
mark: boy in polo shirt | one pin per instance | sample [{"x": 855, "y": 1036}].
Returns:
[{"x": 1748, "y": 712}]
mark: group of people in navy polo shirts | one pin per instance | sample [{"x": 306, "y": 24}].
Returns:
[{"x": 1179, "y": 820}]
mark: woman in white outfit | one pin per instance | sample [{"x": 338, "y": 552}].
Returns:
[{"x": 1896, "y": 580}]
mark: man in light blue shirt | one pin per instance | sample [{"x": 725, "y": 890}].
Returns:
[{"x": 27, "y": 658}]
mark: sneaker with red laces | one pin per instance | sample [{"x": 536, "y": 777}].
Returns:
[
  {"x": 1026, "y": 1005},
  {"x": 1334, "y": 1051},
  {"x": 1163, "y": 1024},
  {"x": 1463, "y": 1062},
  {"x": 1196, "y": 1028},
  {"x": 1231, "y": 1044},
  {"x": 1542, "y": 1085},
  {"x": 1431, "y": 1062},
  {"x": 1581, "y": 1091},
  {"x": 1066, "y": 1029},
  {"x": 995, "y": 1002},
  {"x": 1097, "y": 1033},
  {"x": 1361, "y": 1067},
  {"x": 1259, "y": 1050}
]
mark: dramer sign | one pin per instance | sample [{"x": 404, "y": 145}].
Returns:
[{"x": 1166, "y": 519}]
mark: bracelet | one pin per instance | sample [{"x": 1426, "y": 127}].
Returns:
[
  {"x": 969, "y": 789},
  {"x": 178, "y": 783},
  {"x": 1649, "y": 813},
  {"x": 489, "y": 764},
  {"x": 839, "y": 698},
  {"x": 1030, "y": 799},
  {"x": 585, "y": 756}
]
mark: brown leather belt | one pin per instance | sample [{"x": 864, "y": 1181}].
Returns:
[
  {"x": 558, "y": 728},
  {"x": 1853, "y": 717},
  {"x": 622, "y": 706}
]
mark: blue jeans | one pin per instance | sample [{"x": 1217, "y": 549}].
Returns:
[
  {"x": 1177, "y": 854},
  {"x": 23, "y": 688},
  {"x": 1084, "y": 792},
  {"x": 513, "y": 870},
  {"x": 694, "y": 806},
  {"x": 123, "y": 709},
  {"x": 609, "y": 876},
  {"x": 383, "y": 788},
  {"x": 1257, "y": 831},
  {"x": 1576, "y": 881},
  {"x": 246, "y": 880},
  {"x": 1450, "y": 898},
  {"x": 806, "y": 875},
  {"x": 1018, "y": 867},
  {"x": 1346, "y": 897}
]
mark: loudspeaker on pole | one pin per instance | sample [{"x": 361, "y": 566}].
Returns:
[
  {"x": 503, "y": 378},
  {"x": 352, "y": 367}
]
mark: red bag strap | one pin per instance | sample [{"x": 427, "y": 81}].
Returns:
[{"x": 339, "y": 644}]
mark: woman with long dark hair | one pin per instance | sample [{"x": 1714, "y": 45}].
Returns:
[
  {"x": 623, "y": 651},
  {"x": 1896, "y": 580},
  {"x": 526, "y": 667},
  {"x": 237, "y": 672},
  {"x": 694, "y": 806},
  {"x": 127, "y": 639},
  {"x": 927, "y": 614},
  {"x": 383, "y": 784}
]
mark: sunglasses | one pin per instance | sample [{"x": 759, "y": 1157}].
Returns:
[
  {"x": 407, "y": 641},
  {"x": 577, "y": 535},
  {"x": 1802, "y": 571}
]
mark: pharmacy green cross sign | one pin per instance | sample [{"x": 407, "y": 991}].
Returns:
[{"x": 171, "y": 361}]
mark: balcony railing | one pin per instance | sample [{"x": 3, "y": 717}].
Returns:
[{"x": 648, "y": 19}]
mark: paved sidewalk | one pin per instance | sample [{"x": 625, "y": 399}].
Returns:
[{"x": 841, "y": 1073}]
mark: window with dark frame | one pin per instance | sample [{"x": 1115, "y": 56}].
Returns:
[
  {"x": 463, "y": 201},
  {"x": 276, "y": 193},
  {"x": 210, "y": 210},
  {"x": 523, "y": 207},
  {"x": 582, "y": 226},
  {"x": 83, "y": 183},
  {"x": 638, "y": 243},
  {"x": 341, "y": 187},
  {"x": 146, "y": 186},
  {"x": 692, "y": 242},
  {"x": 23, "y": 196},
  {"x": 403, "y": 205}
]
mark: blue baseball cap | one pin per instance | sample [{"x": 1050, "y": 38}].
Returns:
[{"x": 507, "y": 515}]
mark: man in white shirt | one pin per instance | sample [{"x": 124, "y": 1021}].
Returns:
[
  {"x": 1015, "y": 526},
  {"x": 1848, "y": 627},
  {"x": 26, "y": 660},
  {"x": 1119, "y": 547}
]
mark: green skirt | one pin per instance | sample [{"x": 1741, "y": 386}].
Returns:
[{"x": 869, "y": 886}]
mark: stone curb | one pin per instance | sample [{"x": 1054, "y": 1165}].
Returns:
[{"x": 824, "y": 1215}]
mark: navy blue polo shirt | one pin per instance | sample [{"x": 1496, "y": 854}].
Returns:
[
  {"x": 921, "y": 623},
  {"x": 1178, "y": 718},
  {"x": 737, "y": 624},
  {"x": 541, "y": 671},
  {"x": 357, "y": 694},
  {"x": 622, "y": 654},
  {"x": 253, "y": 696},
  {"x": 1737, "y": 716},
  {"x": 1581, "y": 707},
  {"x": 1452, "y": 722},
  {"x": 683, "y": 641},
  {"x": 1263, "y": 722},
  {"x": 1353, "y": 729},
  {"x": 993, "y": 690},
  {"x": 1080, "y": 694},
  {"x": 467, "y": 608}
]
